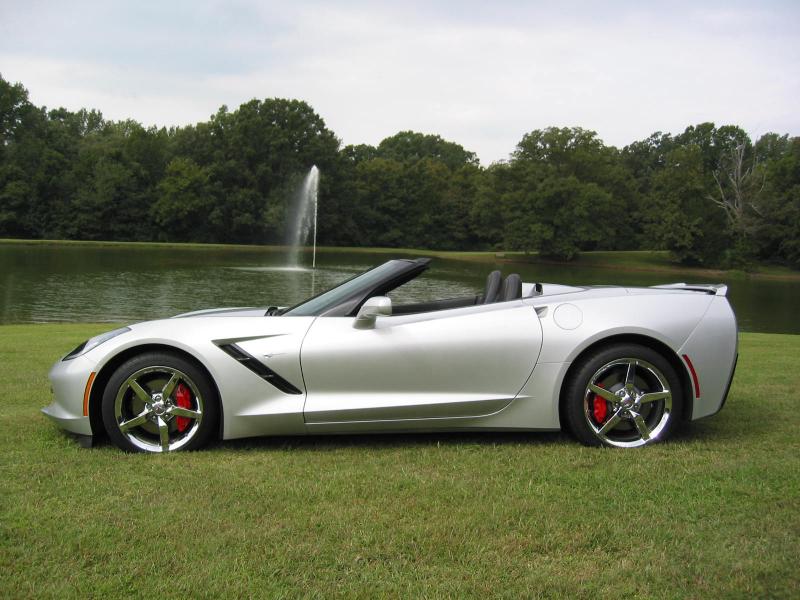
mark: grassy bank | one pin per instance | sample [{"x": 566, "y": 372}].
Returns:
[
  {"x": 629, "y": 260},
  {"x": 716, "y": 513}
]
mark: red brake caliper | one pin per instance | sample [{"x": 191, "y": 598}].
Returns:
[
  {"x": 599, "y": 407},
  {"x": 183, "y": 398}
]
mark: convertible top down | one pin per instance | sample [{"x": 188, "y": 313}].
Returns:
[{"x": 615, "y": 366}]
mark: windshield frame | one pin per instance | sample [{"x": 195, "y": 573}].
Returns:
[{"x": 347, "y": 297}]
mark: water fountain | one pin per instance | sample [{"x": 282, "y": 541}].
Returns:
[{"x": 303, "y": 219}]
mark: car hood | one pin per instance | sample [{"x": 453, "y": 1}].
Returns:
[{"x": 241, "y": 311}]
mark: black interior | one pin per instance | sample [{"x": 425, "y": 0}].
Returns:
[
  {"x": 410, "y": 309},
  {"x": 347, "y": 298},
  {"x": 497, "y": 290}
]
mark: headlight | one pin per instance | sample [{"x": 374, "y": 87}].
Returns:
[{"x": 94, "y": 342}]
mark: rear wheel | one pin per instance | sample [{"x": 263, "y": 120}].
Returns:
[
  {"x": 159, "y": 402},
  {"x": 624, "y": 395}
]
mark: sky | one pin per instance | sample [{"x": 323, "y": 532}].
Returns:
[{"x": 481, "y": 74}]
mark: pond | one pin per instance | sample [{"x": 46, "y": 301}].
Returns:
[{"x": 89, "y": 283}]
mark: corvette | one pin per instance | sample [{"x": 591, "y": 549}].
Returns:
[{"x": 615, "y": 366}]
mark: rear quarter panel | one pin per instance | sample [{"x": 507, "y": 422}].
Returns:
[{"x": 572, "y": 322}]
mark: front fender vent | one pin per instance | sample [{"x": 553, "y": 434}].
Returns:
[{"x": 259, "y": 368}]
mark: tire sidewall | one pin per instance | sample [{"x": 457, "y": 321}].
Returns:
[
  {"x": 209, "y": 423},
  {"x": 588, "y": 366}
]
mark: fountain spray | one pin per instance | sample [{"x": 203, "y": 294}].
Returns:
[
  {"x": 316, "y": 202},
  {"x": 304, "y": 219}
]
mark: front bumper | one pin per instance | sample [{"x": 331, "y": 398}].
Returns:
[{"x": 68, "y": 379}]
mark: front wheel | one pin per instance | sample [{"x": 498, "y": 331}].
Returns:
[
  {"x": 624, "y": 395},
  {"x": 159, "y": 402}
]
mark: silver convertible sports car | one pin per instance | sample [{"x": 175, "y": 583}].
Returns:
[{"x": 615, "y": 366}]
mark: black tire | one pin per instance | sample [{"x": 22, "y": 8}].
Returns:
[
  {"x": 610, "y": 414},
  {"x": 140, "y": 417}
]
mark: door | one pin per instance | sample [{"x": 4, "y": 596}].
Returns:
[{"x": 463, "y": 362}]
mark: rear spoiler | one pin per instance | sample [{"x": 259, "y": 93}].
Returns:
[{"x": 715, "y": 289}]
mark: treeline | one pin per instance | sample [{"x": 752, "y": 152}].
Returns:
[{"x": 710, "y": 195}]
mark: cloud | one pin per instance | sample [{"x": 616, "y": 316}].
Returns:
[{"x": 476, "y": 75}]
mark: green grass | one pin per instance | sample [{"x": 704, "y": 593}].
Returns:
[
  {"x": 715, "y": 513},
  {"x": 627, "y": 260}
]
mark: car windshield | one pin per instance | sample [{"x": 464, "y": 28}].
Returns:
[{"x": 333, "y": 297}]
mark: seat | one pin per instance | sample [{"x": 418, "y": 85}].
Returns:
[
  {"x": 492, "y": 292},
  {"x": 512, "y": 288}
]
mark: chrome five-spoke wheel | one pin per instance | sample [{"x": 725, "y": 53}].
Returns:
[
  {"x": 158, "y": 403},
  {"x": 627, "y": 402},
  {"x": 158, "y": 409},
  {"x": 625, "y": 396}
]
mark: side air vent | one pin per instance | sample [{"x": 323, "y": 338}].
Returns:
[{"x": 259, "y": 368}]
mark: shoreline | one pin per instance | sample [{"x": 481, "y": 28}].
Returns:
[{"x": 633, "y": 261}]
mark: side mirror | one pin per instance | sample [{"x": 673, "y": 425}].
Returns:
[{"x": 371, "y": 310}]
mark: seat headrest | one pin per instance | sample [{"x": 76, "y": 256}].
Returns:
[
  {"x": 492, "y": 287},
  {"x": 512, "y": 288}
]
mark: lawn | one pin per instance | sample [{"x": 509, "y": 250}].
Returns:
[{"x": 715, "y": 513}]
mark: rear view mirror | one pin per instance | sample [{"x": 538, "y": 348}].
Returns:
[{"x": 371, "y": 310}]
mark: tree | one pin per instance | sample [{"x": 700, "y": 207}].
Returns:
[
  {"x": 22, "y": 144},
  {"x": 426, "y": 190},
  {"x": 106, "y": 207},
  {"x": 683, "y": 218},
  {"x": 486, "y": 218},
  {"x": 381, "y": 202},
  {"x": 115, "y": 173},
  {"x": 355, "y": 154},
  {"x": 771, "y": 147},
  {"x": 15, "y": 194},
  {"x": 412, "y": 189},
  {"x": 458, "y": 231},
  {"x": 778, "y": 233},
  {"x": 738, "y": 190},
  {"x": 565, "y": 191},
  {"x": 253, "y": 155},
  {"x": 707, "y": 194},
  {"x": 186, "y": 201},
  {"x": 410, "y": 146},
  {"x": 16, "y": 113},
  {"x": 570, "y": 151},
  {"x": 713, "y": 142},
  {"x": 556, "y": 216},
  {"x": 646, "y": 157}
]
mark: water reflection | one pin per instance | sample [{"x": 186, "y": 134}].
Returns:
[{"x": 94, "y": 283}]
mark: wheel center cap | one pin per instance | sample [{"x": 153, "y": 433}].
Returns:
[
  {"x": 159, "y": 406},
  {"x": 627, "y": 401}
]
